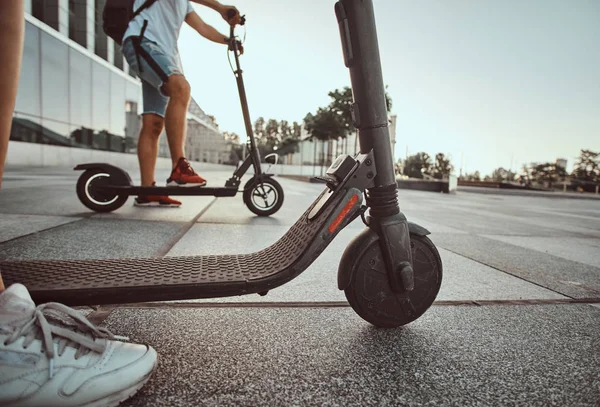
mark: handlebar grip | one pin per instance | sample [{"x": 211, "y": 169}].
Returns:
[{"x": 231, "y": 13}]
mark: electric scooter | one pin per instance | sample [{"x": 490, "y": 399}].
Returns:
[
  {"x": 105, "y": 188},
  {"x": 391, "y": 272}
]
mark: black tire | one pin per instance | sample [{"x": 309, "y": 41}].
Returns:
[
  {"x": 371, "y": 297},
  {"x": 263, "y": 198},
  {"x": 93, "y": 199}
]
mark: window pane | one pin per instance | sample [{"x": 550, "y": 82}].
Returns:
[
  {"x": 55, "y": 91},
  {"x": 26, "y": 128},
  {"x": 28, "y": 94},
  {"x": 100, "y": 97},
  {"x": 80, "y": 91},
  {"x": 78, "y": 21},
  {"x": 82, "y": 137},
  {"x": 117, "y": 104},
  {"x": 118, "y": 56}
]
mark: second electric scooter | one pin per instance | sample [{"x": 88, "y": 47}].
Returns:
[
  {"x": 391, "y": 272},
  {"x": 105, "y": 188}
]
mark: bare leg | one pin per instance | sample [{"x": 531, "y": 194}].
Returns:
[
  {"x": 152, "y": 127},
  {"x": 12, "y": 22},
  {"x": 179, "y": 91}
]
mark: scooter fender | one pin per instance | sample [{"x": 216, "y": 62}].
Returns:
[
  {"x": 357, "y": 247},
  {"x": 118, "y": 176},
  {"x": 255, "y": 179}
]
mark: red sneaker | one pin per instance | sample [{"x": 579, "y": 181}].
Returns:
[
  {"x": 160, "y": 201},
  {"x": 184, "y": 176}
]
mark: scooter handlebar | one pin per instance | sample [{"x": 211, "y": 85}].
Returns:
[{"x": 231, "y": 13}]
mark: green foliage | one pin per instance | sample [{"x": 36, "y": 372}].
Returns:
[
  {"x": 547, "y": 173},
  {"x": 415, "y": 165},
  {"x": 442, "y": 167},
  {"x": 335, "y": 120},
  {"x": 501, "y": 175},
  {"x": 476, "y": 176},
  {"x": 325, "y": 125},
  {"x": 276, "y": 136},
  {"x": 587, "y": 167},
  {"x": 233, "y": 137}
]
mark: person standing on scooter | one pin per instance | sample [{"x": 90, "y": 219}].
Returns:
[{"x": 150, "y": 48}]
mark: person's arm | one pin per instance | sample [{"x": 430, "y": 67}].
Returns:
[
  {"x": 221, "y": 9},
  {"x": 205, "y": 30}
]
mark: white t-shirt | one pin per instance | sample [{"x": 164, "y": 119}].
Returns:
[{"x": 165, "y": 18}]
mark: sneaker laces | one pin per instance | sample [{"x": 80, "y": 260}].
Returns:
[
  {"x": 186, "y": 167},
  {"x": 76, "y": 331}
]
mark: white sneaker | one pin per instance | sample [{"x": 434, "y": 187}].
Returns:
[{"x": 53, "y": 356}]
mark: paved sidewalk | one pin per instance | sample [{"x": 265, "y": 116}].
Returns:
[{"x": 517, "y": 320}]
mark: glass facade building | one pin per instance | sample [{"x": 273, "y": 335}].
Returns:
[
  {"x": 68, "y": 96},
  {"x": 75, "y": 88}
]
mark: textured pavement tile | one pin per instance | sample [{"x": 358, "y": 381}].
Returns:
[
  {"x": 567, "y": 277},
  {"x": 581, "y": 250},
  {"x": 93, "y": 239},
  {"x": 14, "y": 226},
  {"x": 455, "y": 356}
]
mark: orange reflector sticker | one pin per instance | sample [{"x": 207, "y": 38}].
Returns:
[{"x": 338, "y": 220}]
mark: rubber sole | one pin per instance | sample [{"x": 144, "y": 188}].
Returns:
[
  {"x": 175, "y": 184},
  {"x": 117, "y": 398},
  {"x": 155, "y": 205}
]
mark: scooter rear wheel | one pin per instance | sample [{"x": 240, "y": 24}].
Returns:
[
  {"x": 264, "y": 197},
  {"x": 369, "y": 291},
  {"x": 91, "y": 197}
]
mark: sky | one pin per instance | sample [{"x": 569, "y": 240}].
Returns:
[{"x": 489, "y": 83}]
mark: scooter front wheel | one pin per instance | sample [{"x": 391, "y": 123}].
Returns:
[
  {"x": 263, "y": 197},
  {"x": 98, "y": 200},
  {"x": 369, "y": 291}
]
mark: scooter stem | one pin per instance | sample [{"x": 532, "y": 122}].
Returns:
[
  {"x": 360, "y": 47},
  {"x": 244, "y": 103}
]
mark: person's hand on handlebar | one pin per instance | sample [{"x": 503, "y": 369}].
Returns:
[
  {"x": 240, "y": 46},
  {"x": 231, "y": 14}
]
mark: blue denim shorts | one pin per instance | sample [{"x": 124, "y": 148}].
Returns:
[{"x": 155, "y": 101}]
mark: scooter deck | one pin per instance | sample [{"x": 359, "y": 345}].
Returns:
[
  {"x": 179, "y": 191},
  {"x": 116, "y": 281}
]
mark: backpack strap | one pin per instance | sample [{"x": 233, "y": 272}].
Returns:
[
  {"x": 144, "y": 6},
  {"x": 140, "y": 51}
]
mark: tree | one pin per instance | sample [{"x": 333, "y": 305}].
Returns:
[
  {"x": 442, "y": 167},
  {"x": 587, "y": 167},
  {"x": 471, "y": 177},
  {"x": 399, "y": 167},
  {"x": 547, "y": 173},
  {"x": 502, "y": 175},
  {"x": 272, "y": 137},
  {"x": 342, "y": 103},
  {"x": 325, "y": 125},
  {"x": 415, "y": 165},
  {"x": 336, "y": 118},
  {"x": 290, "y": 137},
  {"x": 233, "y": 137},
  {"x": 525, "y": 177},
  {"x": 259, "y": 128}
]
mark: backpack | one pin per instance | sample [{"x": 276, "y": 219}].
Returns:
[{"x": 116, "y": 17}]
